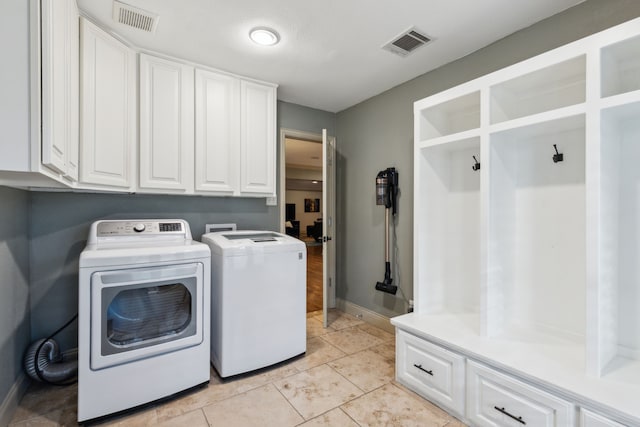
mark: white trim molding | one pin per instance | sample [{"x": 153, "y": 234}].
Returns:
[
  {"x": 13, "y": 397},
  {"x": 371, "y": 317}
]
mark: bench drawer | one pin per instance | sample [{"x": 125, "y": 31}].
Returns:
[
  {"x": 431, "y": 371},
  {"x": 497, "y": 400},
  {"x": 591, "y": 419}
]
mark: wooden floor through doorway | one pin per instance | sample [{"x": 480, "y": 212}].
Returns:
[{"x": 314, "y": 278}]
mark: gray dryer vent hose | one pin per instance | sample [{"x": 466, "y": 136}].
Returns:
[{"x": 53, "y": 368}]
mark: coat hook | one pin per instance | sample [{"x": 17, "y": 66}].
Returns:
[
  {"x": 558, "y": 157},
  {"x": 476, "y": 166}
]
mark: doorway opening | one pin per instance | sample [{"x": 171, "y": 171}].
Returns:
[{"x": 301, "y": 210}]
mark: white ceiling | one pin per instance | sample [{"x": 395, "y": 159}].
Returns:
[
  {"x": 330, "y": 54},
  {"x": 303, "y": 154}
]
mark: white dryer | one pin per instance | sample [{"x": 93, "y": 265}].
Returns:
[
  {"x": 143, "y": 321},
  {"x": 258, "y": 299}
]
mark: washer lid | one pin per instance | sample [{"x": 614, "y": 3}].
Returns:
[{"x": 248, "y": 241}]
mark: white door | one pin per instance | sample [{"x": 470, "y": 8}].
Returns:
[
  {"x": 166, "y": 125},
  {"x": 328, "y": 225}
]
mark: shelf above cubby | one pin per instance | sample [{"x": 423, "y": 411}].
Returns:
[
  {"x": 556, "y": 86},
  {"x": 453, "y": 116},
  {"x": 620, "y": 63},
  {"x": 529, "y": 122},
  {"x": 447, "y": 139},
  {"x": 620, "y": 100}
]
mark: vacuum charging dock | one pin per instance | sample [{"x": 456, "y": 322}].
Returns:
[{"x": 386, "y": 194}]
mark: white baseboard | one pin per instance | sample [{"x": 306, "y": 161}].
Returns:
[
  {"x": 376, "y": 319},
  {"x": 10, "y": 403}
]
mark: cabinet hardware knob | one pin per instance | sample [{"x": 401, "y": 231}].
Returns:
[
  {"x": 423, "y": 370},
  {"x": 518, "y": 419}
]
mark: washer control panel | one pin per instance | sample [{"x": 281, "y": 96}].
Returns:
[{"x": 129, "y": 228}]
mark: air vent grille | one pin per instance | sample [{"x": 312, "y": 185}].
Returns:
[
  {"x": 134, "y": 17},
  {"x": 407, "y": 42}
]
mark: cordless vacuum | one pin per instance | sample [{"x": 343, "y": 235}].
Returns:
[{"x": 387, "y": 194}]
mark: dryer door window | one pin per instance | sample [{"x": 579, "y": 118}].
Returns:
[
  {"x": 150, "y": 313},
  {"x": 142, "y": 312}
]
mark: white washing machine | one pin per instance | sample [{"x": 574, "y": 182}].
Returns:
[
  {"x": 143, "y": 321},
  {"x": 258, "y": 299}
]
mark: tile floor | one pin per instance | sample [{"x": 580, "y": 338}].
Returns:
[{"x": 345, "y": 379}]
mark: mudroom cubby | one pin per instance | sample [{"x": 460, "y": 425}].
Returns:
[
  {"x": 527, "y": 227},
  {"x": 448, "y": 238},
  {"x": 537, "y": 230},
  {"x": 619, "y": 324}
]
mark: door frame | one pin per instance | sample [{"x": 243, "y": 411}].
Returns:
[{"x": 307, "y": 136}]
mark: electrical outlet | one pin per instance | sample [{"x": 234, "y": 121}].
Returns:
[{"x": 271, "y": 201}]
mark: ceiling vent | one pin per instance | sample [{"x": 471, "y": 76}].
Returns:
[
  {"x": 134, "y": 17},
  {"x": 407, "y": 42}
]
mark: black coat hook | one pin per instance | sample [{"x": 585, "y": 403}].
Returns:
[
  {"x": 476, "y": 166},
  {"x": 558, "y": 157}
]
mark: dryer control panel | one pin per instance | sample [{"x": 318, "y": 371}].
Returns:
[{"x": 129, "y": 228}]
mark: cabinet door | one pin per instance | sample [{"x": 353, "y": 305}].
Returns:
[
  {"x": 217, "y": 139},
  {"x": 60, "y": 45},
  {"x": 107, "y": 103},
  {"x": 166, "y": 125},
  {"x": 257, "y": 146}
]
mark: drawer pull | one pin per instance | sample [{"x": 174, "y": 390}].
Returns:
[
  {"x": 518, "y": 419},
  {"x": 423, "y": 370}
]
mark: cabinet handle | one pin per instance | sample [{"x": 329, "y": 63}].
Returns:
[
  {"x": 518, "y": 419},
  {"x": 423, "y": 370}
]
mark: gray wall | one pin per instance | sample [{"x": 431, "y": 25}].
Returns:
[
  {"x": 306, "y": 119},
  {"x": 378, "y": 133},
  {"x": 14, "y": 285},
  {"x": 60, "y": 223}
]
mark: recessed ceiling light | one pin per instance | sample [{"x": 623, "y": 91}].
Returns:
[
  {"x": 264, "y": 36},
  {"x": 314, "y": 182}
]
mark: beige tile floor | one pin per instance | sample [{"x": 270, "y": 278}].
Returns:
[{"x": 346, "y": 378}]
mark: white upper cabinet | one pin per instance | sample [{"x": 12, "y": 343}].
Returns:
[
  {"x": 108, "y": 110},
  {"x": 60, "y": 83},
  {"x": 166, "y": 125},
  {"x": 257, "y": 142},
  {"x": 217, "y": 132},
  {"x": 72, "y": 119},
  {"x": 235, "y": 135}
]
